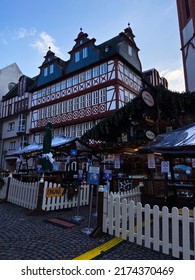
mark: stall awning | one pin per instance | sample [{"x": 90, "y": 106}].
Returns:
[{"x": 178, "y": 141}]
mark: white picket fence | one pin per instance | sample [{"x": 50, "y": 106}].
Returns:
[
  {"x": 170, "y": 232},
  {"x": 61, "y": 202},
  {"x": 133, "y": 194},
  {"x": 23, "y": 194}
]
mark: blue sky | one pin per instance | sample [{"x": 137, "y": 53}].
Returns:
[{"x": 28, "y": 28}]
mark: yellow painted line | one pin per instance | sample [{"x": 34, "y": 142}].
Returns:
[
  {"x": 103, "y": 248},
  {"x": 98, "y": 250}
]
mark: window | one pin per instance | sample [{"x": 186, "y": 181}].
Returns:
[
  {"x": 59, "y": 109},
  {"x": 67, "y": 131},
  {"x": 49, "y": 111},
  {"x": 51, "y": 68},
  {"x": 12, "y": 145},
  {"x": 9, "y": 109},
  {"x": 95, "y": 97},
  {"x": 81, "y": 102},
  {"x": 45, "y": 71},
  {"x": 23, "y": 141},
  {"x": 69, "y": 82},
  {"x": 85, "y": 52},
  {"x": 57, "y": 87},
  {"x": 102, "y": 95},
  {"x": 70, "y": 105},
  {"x": 88, "y": 74},
  {"x": 11, "y": 126},
  {"x": 103, "y": 68},
  {"x": 76, "y": 103},
  {"x": 21, "y": 123},
  {"x": 81, "y": 77},
  {"x": 53, "y": 89},
  {"x": 130, "y": 50},
  {"x": 95, "y": 71},
  {"x": 77, "y": 56},
  {"x": 88, "y": 100},
  {"x": 75, "y": 80},
  {"x": 85, "y": 127},
  {"x": 73, "y": 131},
  {"x": 106, "y": 49},
  {"x": 63, "y": 85},
  {"x": 64, "y": 106},
  {"x": 79, "y": 130}
]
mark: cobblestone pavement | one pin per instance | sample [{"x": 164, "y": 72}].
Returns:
[{"x": 28, "y": 237}]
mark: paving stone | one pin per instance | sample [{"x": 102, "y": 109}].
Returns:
[{"x": 23, "y": 237}]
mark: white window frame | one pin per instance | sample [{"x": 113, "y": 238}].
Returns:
[
  {"x": 45, "y": 70},
  {"x": 130, "y": 50},
  {"x": 76, "y": 103},
  {"x": 96, "y": 71},
  {"x": 88, "y": 74},
  {"x": 81, "y": 102},
  {"x": 69, "y": 105},
  {"x": 102, "y": 95},
  {"x": 77, "y": 56},
  {"x": 103, "y": 68},
  {"x": 85, "y": 52},
  {"x": 51, "y": 69},
  {"x": 11, "y": 126},
  {"x": 88, "y": 99},
  {"x": 95, "y": 97}
]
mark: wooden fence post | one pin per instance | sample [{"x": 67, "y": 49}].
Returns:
[
  {"x": 38, "y": 210},
  {"x": 98, "y": 230}
]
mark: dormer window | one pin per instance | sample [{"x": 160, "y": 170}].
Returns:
[
  {"x": 51, "y": 68},
  {"x": 130, "y": 51},
  {"x": 85, "y": 52},
  {"x": 45, "y": 71},
  {"x": 77, "y": 56},
  {"x": 106, "y": 49}
]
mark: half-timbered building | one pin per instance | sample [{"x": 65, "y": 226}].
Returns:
[{"x": 96, "y": 81}]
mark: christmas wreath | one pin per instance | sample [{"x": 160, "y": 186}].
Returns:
[{"x": 71, "y": 188}]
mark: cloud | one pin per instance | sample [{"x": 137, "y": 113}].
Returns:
[
  {"x": 23, "y": 33},
  {"x": 43, "y": 43},
  {"x": 175, "y": 79}
]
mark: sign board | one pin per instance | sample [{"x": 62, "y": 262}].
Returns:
[
  {"x": 151, "y": 161},
  {"x": 148, "y": 98},
  {"x": 93, "y": 175},
  {"x": 117, "y": 163},
  {"x": 165, "y": 167},
  {"x": 150, "y": 134},
  {"x": 107, "y": 175},
  {"x": 73, "y": 152},
  {"x": 54, "y": 192}
]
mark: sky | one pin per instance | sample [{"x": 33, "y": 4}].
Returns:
[{"x": 29, "y": 28}]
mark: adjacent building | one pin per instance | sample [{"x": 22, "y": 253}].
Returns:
[{"x": 186, "y": 16}]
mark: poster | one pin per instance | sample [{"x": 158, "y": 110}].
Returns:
[
  {"x": 107, "y": 175},
  {"x": 151, "y": 161},
  {"x": 165, "y": 167},
  {"x": 117, "y": 164},
  {"x": 93, "y": 175}
]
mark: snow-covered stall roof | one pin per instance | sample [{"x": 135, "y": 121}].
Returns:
[{"x": 181, "y": 140}]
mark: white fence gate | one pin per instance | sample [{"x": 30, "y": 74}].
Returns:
[
  {"x": 61, "y": 202},
  {"x": 23, "y": 194},
  {"x": 170, "y": 232}
]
